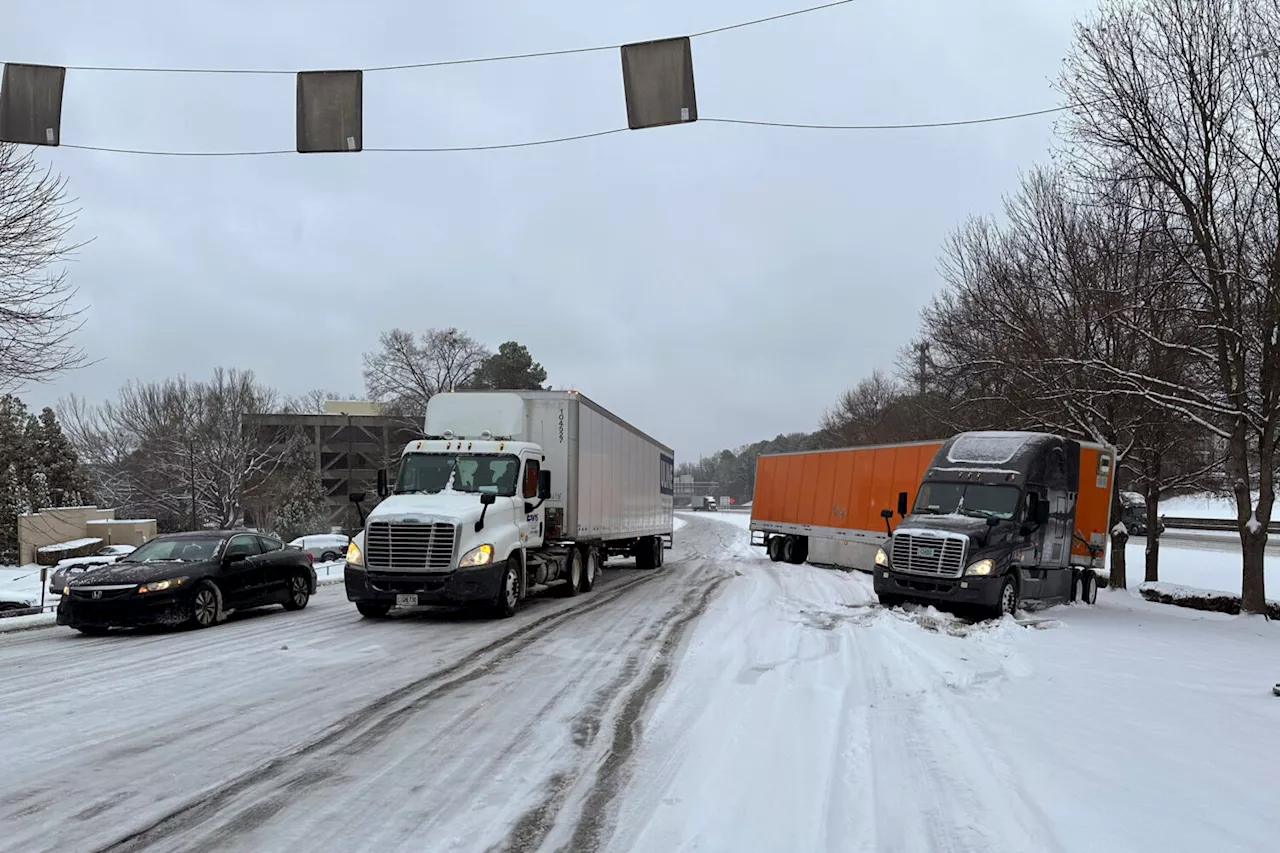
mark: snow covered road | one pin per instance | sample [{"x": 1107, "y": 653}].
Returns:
[{"x": 723, "y": 703}]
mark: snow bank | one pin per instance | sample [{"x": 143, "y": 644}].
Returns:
[
  {"x": 1199, "y": 599},
  {"x": 1215, "y": 566}
]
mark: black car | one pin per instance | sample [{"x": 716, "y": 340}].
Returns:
[{"x": 188, "y": 579}]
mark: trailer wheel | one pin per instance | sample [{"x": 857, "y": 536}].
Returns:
[
  {"x": 572, "y": 574},
  {"x": 659, "y": 551},
  {"x": 1089, "y": 587},
  {"x": 590, "y": 568},
  {"x": 774, "y": 548},
  {"x": 795, "y": 550}
]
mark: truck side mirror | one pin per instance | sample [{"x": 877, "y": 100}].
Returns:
[
  {"x": 886, "y": 513},
  {"x": 1042, "y": 512},
  {"x": 488, "y": 498},
  {"x": 544, "y": 484},
  {"x": 992, "y": 521},
  {"x": 902, "y": 504},
  {"x": 382, "y": 482}
]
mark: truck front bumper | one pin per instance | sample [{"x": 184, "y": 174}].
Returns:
[
  {"x": 974, "y": 590},
  {"x": 462, "y": 586}
]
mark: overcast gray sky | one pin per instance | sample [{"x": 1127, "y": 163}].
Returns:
[{"x": 714, "y": 284}]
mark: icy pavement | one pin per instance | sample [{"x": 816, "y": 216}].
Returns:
[{"x": 723, "y": 703}]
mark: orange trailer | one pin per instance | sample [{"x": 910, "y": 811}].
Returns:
[{"x": 831, "y": 502}]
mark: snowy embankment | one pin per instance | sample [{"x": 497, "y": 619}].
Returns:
[{"x": 803, "y": 718}]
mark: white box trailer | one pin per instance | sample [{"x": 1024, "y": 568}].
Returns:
[{"x": 522, "y": 490}]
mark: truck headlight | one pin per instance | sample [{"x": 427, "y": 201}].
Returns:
[
  {"x": 481, "y": 556},
  {"x": 354, "y": 557},
  {"x": 882, "y": 559},
  {"x": 982, "y": 567}
]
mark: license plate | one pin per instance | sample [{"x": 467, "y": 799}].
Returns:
[
  {"x": 927, "y": 552},
  {"x": 406, "y": 601}
]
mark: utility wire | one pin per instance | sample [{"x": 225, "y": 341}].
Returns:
[
  {"x": 445, "y": 62},
  {"x": 581, "y": 136}
]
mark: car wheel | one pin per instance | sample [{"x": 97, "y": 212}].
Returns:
[
  {"x": 206, "y": 605},
  {"x": 774, "y": 548},
  {"x": 1008, "y": 601},
  {"x": 590, "y": 568},
  {"x": 509, "y": 590},
  {"x": 572, "y": 573},
  {"x": 299, "y": 592},
  {"x": 329, "y": 557},
  {"x": 92, "y": 630},
  {"x": 373, "y": 609}
]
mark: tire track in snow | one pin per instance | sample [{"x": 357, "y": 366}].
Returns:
[{"x": 366, "y": 726}]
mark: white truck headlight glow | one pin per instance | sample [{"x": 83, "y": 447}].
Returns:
[
  {"x": 161, "y": 586},
  {"x": 354, "y": 557},
  {"x": 882, "y": 559},
  {"x": 982, "y": 567},
  {"x": 480, "y": 556}
]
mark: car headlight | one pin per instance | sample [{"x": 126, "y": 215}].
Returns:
[
  {"x": 882, "y": 559},
  {"x": 354, "y": 557},
  {"x": 161, "y": 586},
  {"x": 982, "y": 567},
  {"x": 481, "y": 556}
]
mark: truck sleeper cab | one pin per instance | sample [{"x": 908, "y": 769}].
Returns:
[{"x": 1002, "y": 520}]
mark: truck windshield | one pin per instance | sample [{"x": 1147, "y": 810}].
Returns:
[
  {"x": 435, "y": 472},
  {"x": 968, "y": 499}
]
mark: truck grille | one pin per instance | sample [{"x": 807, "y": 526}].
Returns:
[
  {"x": 410, "y": 547},
  {"x": 923, "y": 554}
]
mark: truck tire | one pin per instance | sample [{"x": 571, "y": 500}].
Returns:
[
  {"x": 1008, "y": 600},
  {"x": 774, "y": 548},
  {"x": 590, "y": 568},
  {"x": 1089, "y": 587},
  {"x": 660, "y": 551},
  {"x": 508, "y": 599},
  {"x": 795, "y": 550},
  {"x": 572, "y": 574}
]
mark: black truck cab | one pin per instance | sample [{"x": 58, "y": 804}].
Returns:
[{"x": 992, "y": 526}]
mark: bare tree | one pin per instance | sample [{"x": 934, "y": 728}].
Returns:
[
  {"x": 37, "y": 318},
  {"x": 181, "y": 450},
  {"x": 1180, "y": 94},
  {"x": 406, "y": 372}
]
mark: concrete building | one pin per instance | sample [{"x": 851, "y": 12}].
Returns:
[{"x": 56, "y": 525}]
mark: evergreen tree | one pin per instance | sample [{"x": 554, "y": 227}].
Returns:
[
  {"x": 304, "y": 512},
  {"x": 512, "y": 368},
  {"x": 57, "y": 459}
]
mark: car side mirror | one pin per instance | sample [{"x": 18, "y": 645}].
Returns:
[
  {"x": 382, "y": 483},
  {"x": 235, "y": 558},
  {"x": 544, "y": 485},
  {"x": 1042, "y": 512},
  {"x": 902, "y": 504},
  {"x": 488, "y": 498}
]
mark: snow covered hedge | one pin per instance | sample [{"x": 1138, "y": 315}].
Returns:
[
  {"x": 49, "y": 555},
  {"x": 1199, "y": 599}
]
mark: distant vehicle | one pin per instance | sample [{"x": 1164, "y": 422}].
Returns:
[
  {"x": 999, "y": 519},
  {"x": 14, "y": 602},
  {"x": 323, "y": 547},
  {"x": 703, "y": 504},
  {"x": 1133, "y": 513},
  {"x": 512, "y": 492},
  {"x": 65, "y": 569},
  {"x": 192, "y": 579}
]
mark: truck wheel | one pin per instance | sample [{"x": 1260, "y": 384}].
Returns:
[
  {"x": 373, "y": 609},
  {"x": 509, "y": 590},
  {"x": 572, "y": 574},
  {"x": 1008, "y": 600},
  {"x": 774, "y": 548},
  {"x": 590, "y": 568},
  {"x": 659, "y": 551},
  {"x": 794, "y": 550},
  {"x": 1088, "y": 587}
]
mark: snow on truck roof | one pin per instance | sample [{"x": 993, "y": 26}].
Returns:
[{"x": 989, "y": 448}]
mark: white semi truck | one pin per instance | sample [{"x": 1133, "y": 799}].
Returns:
[{"x": 510, "y": 493}]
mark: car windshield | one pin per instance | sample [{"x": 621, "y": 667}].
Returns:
[
  {"x": 435, "y": 472},
  {"x": 968, "y": 499},
  {"x": 185, "y": 550}
]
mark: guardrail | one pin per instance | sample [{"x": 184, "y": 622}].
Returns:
[{"x": 1227, "y": 525}]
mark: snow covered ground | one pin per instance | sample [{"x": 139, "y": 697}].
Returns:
[
  {"x": 723, "y": 703},
  {"x": 1200, "y": 506}
]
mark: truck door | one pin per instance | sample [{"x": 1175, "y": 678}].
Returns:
[{"x": 531, "y": 523}]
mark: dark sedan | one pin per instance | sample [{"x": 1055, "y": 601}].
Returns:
[{"x": 192, "y": 579}]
